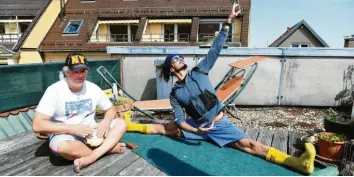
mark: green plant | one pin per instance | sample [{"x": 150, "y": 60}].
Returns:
[
  {"x": 334, "y": 116},
  {"x": 122, "y": 100},
  {"x": 99, "y": 111},
  {"x": 333, "y": 138}
]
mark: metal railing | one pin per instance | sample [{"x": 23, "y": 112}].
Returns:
[
  {"x": 203, "y": 37},
  {"x": 74, "y": 43},
  {"x": 112, "y": 38},
  {"x": 181, "y": 37},
  {"x": 102, "y": 38},
  {"x": 148, "y": 10},
  {"x": 9, "y": 38}
]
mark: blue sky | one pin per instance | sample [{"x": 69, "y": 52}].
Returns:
[{"x": 331, "y": 19}]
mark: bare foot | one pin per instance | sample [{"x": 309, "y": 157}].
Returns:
[
  {"x": 118, "y": 149},
  {"x": 82, "y": 163}
]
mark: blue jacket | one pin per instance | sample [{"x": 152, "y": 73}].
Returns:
[{"x": 187, "y": 95}]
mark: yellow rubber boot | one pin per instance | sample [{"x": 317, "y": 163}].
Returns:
[
  {"x": 305, "y": 163},
  {"x": 133, "y": 127}
]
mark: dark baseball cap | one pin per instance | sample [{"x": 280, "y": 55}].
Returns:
[
  {"x": 167, "y": 65},
  {"x": 76, "y": 61}
]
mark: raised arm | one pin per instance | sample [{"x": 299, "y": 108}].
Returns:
[{"x": 208, "y": 62}]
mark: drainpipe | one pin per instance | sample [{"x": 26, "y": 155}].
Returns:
[
  {"x": 352, "y": 116},
  {"x": 280, "y": 90}
]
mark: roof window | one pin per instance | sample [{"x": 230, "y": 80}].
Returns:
[{"x": 73, "y": 27}]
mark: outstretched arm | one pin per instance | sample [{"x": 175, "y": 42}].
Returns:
[{"x": 208, "y": 62}]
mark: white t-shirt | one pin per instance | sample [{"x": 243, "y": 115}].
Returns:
[{"x": 64, "y": 106}]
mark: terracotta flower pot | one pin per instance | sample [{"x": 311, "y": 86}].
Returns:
[{"x": 330, "y": 150}]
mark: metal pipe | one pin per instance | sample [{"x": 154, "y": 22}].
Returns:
[{"x": 280, "y": 89}]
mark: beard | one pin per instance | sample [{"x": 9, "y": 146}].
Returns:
[
  {"x": 184, "y": 67},
  {"x": 75, "y": 85}
]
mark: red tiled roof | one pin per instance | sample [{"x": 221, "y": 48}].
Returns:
[
  {"x": 15, "y": 112},
  {"x": 113, "y": 9}
]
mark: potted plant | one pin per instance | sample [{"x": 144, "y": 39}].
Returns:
[
  {"x": 330, "y": 145},
  {"x": 338, "y": 123},
  {"x": 121, "y": 105}
]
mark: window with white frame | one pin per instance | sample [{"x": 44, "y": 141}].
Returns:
[
  {"x": 208, "y": 28},
  {"x": 123, "y": 32},
  {"x": 73, "y": 27},
  {"x": 176, "y": 32},
  {"x": 300, "y": 45}
]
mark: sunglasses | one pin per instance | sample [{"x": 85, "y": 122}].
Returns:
[{"x": 176, "y": 58}]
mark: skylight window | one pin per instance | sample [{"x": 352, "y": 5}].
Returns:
[{"x": 73, "y": 27}]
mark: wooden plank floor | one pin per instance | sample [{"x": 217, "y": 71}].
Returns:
[{"x": 26, "y": 155}]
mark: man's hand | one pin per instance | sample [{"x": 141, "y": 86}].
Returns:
[
  {"x": 202, "y": 130},
  {"x": 81, "y": 130},
  {"x": 102, "y": 128},
  {"x": 234, "y": 13}
]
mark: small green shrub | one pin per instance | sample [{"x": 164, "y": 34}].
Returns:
[
  {"x": 332, "y": 137},
  {"x": 122, "y": 100},
  {"x": 336, "y": 117},
  {"x": 99, "y": 111}
]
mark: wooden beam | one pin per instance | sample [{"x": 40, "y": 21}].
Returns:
[
  {"x": 253, "y": 133},
  {"x": 265, "y": 137},
  {"x": 280, "y": 140},
  {"x": 119, "y": 165}
]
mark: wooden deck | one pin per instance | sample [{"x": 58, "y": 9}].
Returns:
[{"x": 25, "y": 154}]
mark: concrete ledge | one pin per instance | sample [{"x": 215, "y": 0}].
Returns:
[{"x": 239, "y": 51}]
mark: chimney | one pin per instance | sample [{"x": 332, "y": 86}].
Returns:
[{"x": 288, "y": 29}]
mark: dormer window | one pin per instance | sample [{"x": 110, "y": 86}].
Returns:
[{"x": 73, "y": 27}]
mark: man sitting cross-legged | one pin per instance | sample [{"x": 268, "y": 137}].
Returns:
[{"x": 66, "y": 112}]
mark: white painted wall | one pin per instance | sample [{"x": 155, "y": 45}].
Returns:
[{"x": 311, "y": 77}]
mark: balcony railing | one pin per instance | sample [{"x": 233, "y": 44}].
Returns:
[
  {"x": 112, "y": 38},
  {"x": 148, "y": 10},
  {"x": 9, "y": 38},
  {"x": 181, "y": 37},
  {"x": 203, "y": 37}
]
